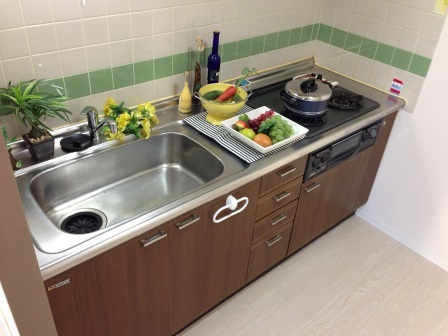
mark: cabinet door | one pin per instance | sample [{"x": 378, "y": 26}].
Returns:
[
  {"x": 375, "y": 160},
  {"x": 327, "y": 199},
  {"x": 124, "y": 292},
  {"x": 209, "y": 260}
]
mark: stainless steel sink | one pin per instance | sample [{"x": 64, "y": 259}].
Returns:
[{"x": 95, "y": 192}]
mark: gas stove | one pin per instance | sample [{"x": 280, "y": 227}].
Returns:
[{"x": 344, "y": 105}]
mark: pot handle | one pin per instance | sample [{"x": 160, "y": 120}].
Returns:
[
  {"x": 197, "y": 95},
  {"x": 286, "y": 98},
  {"x": 300, "y": 76}
]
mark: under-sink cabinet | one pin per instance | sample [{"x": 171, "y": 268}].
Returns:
[
  {"x": 161, "y": 281},
  {"x": 123, "y": 292}
]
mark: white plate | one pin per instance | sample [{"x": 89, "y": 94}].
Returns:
[{"x": 299, "y": 131}]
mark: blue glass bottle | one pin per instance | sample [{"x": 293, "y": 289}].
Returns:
[{"x": 214, "y": 61}]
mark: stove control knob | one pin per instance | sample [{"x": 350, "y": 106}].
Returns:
[
  {"x": 370, "y": 133},
  {"x": 326, "y": 157},
  {"x": 317, "y": 161}
]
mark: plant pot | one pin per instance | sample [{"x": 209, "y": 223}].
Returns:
[
  {"x": 41, "y": 150},
  {"x": 13, "y": 160}
]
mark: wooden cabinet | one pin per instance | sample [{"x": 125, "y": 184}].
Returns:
[
  {"x": 283, "y": 175},
  {"x": 209, "y": 260},
  {"x": 327, "y": 199},
  {"x": 375, "y": 159},
  {"x": 160, "y": 282},
  {"x": 276, "y": 209},
  {"x": 123, "y": 292},
  {"x": 269, "y": 251}
]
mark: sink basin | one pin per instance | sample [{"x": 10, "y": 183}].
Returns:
[
  {"x": 124, "y": 183},
  {"x": 71, "y": 202}
]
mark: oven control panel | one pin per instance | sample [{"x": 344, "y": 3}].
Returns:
[{"x": 341, "y": 150}]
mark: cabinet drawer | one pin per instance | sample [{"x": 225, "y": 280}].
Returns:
[
  {"x": 282, "y": 175},
  {"x": 269, "y": 251},
  {"x": 274, "y": 221},
  {"x": 278, "y": 198}
]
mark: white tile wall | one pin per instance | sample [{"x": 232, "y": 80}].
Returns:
[{"x": 106, "y": 33}]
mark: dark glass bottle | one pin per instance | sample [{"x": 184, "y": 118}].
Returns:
[{"x": 214, "y": 61}]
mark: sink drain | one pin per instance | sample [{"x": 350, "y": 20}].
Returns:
[{"x": 82, "y": 221}]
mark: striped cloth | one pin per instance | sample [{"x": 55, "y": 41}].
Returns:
[{"x": 221, "y": 136}]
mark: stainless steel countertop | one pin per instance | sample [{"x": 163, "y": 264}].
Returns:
[{"x": 54, "y": 264}]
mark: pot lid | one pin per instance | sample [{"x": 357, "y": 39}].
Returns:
[{"x": 308, "y": 89}]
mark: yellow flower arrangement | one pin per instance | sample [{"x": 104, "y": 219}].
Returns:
[{"x": 138, "y": 122}]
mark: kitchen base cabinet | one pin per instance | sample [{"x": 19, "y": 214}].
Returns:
[
  {"x": 124, "y": 292},
  {"x": 327, "y": 199},
  {"x": 375, "y": 159},
  {"x": 209, "y": 260},
  {"x": 269, "y": 251}
]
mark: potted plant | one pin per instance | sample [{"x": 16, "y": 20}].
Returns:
[{"x": 32, "y": 108}]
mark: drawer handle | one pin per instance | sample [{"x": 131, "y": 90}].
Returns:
[
  {"x": 193, "y": 219},
  {"x": 151, "y": 240},
  {"x": 278, "y": 219},
  {"x": 312, "y": 187},
  {"x": 291, "y": 169},
  {"x": 273, "y": 240},
  {"x": 282, "y": 196},
  {"x": 231, "y": 204}
]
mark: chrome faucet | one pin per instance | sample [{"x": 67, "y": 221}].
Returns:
[{"x": 94, "y": 124}]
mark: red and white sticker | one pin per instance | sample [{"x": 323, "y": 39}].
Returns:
[{"x": 396, "y": 87}]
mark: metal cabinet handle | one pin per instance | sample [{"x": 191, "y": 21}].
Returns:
[
  {"x": 273, "y": 240},
  {"x": 193, "y": 219},
  {"x": 151, "y": 240},
  {"x": 278, "y": 219},
  {"x": 283, "y": 174},
  {"x": 312, "y": 187},
  {"x": 231, "y": 204},
  {"x": 281, "y": 196}
]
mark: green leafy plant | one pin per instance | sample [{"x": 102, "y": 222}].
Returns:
[
  {"x": 32, "y": 107},
  {"x": 246, "y": 72}
]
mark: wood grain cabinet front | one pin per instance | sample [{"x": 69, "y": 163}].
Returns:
[
  {"x": 208, "y": 259},
  {"x": 274, "y": 220},
  {"x": 123, "y": 292},
  {"x": 327, "y": 199},
  {"x": 278, "y": 198},
  {"x": 269, "y": 251},
  {"x": 282, "y": 176}
]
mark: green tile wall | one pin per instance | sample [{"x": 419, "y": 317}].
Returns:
[
  {"x": 126, "y": 75},
  {"x": 375, "y": 50}
]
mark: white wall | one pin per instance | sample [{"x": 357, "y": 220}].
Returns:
[{"x": 409, "y": 200}]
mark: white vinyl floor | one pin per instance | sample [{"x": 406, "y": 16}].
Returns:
[{"x": 355, "y": 280}]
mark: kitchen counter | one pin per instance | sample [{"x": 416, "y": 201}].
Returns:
[{"x": 53, "y": 264}]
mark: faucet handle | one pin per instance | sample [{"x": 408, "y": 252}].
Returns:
[{"x": 92, "y": 115}]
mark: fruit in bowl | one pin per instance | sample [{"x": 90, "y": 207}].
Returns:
[
  {"x": 222, "y": 101},
  {"x": 268, "y": 130},
  {"x": 219, "y": 110}
]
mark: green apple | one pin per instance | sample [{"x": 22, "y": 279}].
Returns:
[{"x": 248, "y": 133}]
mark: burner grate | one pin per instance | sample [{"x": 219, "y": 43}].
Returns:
[{"x": 346, "y": 101}]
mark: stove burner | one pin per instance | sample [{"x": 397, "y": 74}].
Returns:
[
  {"x": 346, "y": 101},
  {"x": 306, "y": 122}
]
